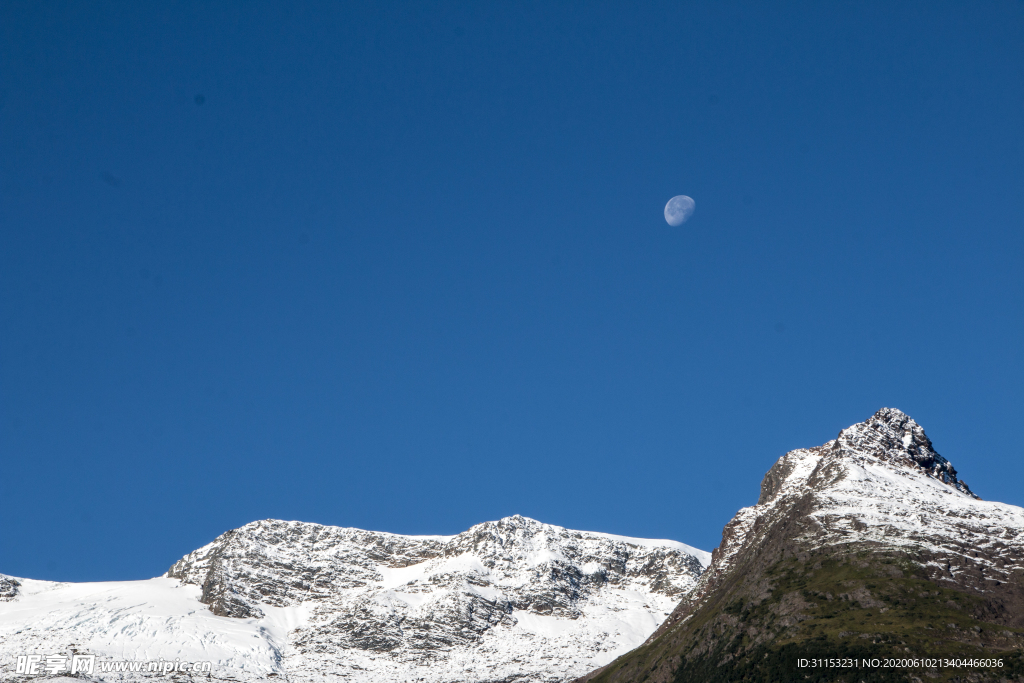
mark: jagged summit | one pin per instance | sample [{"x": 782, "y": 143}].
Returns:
[
  {"x": 879, "y": 482},
  {"x": 893, "y": 436},
  {"x": 890, "y": 437}
]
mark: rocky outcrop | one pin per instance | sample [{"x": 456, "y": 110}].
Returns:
[
  {"x": 8, "y": 587},
  {"x": 285, "y": 563}
]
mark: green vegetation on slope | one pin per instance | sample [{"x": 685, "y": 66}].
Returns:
[{"x": 861, "y": 606}]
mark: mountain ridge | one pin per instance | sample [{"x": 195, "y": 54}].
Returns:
[
  {"x": 509, "y": 600},
  {"x": 869, "y": 545}
]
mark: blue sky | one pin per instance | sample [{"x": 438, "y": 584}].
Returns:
[{"x": 403, "y": 267}]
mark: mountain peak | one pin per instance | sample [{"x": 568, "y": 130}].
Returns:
[
  {"x": 872, "y": 522},
  {"x": 892, "y": 436}
]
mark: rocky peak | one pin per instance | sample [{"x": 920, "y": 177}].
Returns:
[
  {"x": 879, "y": 483},
  {"x": 892, "y": 436}
]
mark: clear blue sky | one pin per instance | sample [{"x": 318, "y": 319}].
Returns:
[{"x": 403, "y": 266}]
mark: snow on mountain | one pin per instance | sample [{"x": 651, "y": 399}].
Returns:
[
  {"x": 512, "y": 600},
  {"x": 879, "y": 485}
]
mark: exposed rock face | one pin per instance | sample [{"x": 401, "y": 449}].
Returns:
[
  {"x": 862, "y": 545},
  {"x": 8, "y": 587},
  {"x": 285, "y": 563},
  {"x": 513, "y": 600}
]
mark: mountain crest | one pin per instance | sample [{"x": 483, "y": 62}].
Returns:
[
  {"x": 892, "y": 436},
  {"x": 508, "y": 600}
]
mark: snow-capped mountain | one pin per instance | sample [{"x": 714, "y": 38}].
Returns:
[
  {"x": 880, "y": 485},
  {"x": 512, "y": 600},
  {"x": 870, "y": 540}
]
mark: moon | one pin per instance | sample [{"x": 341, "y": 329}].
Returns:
[{"x": 678, "y": 210}]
